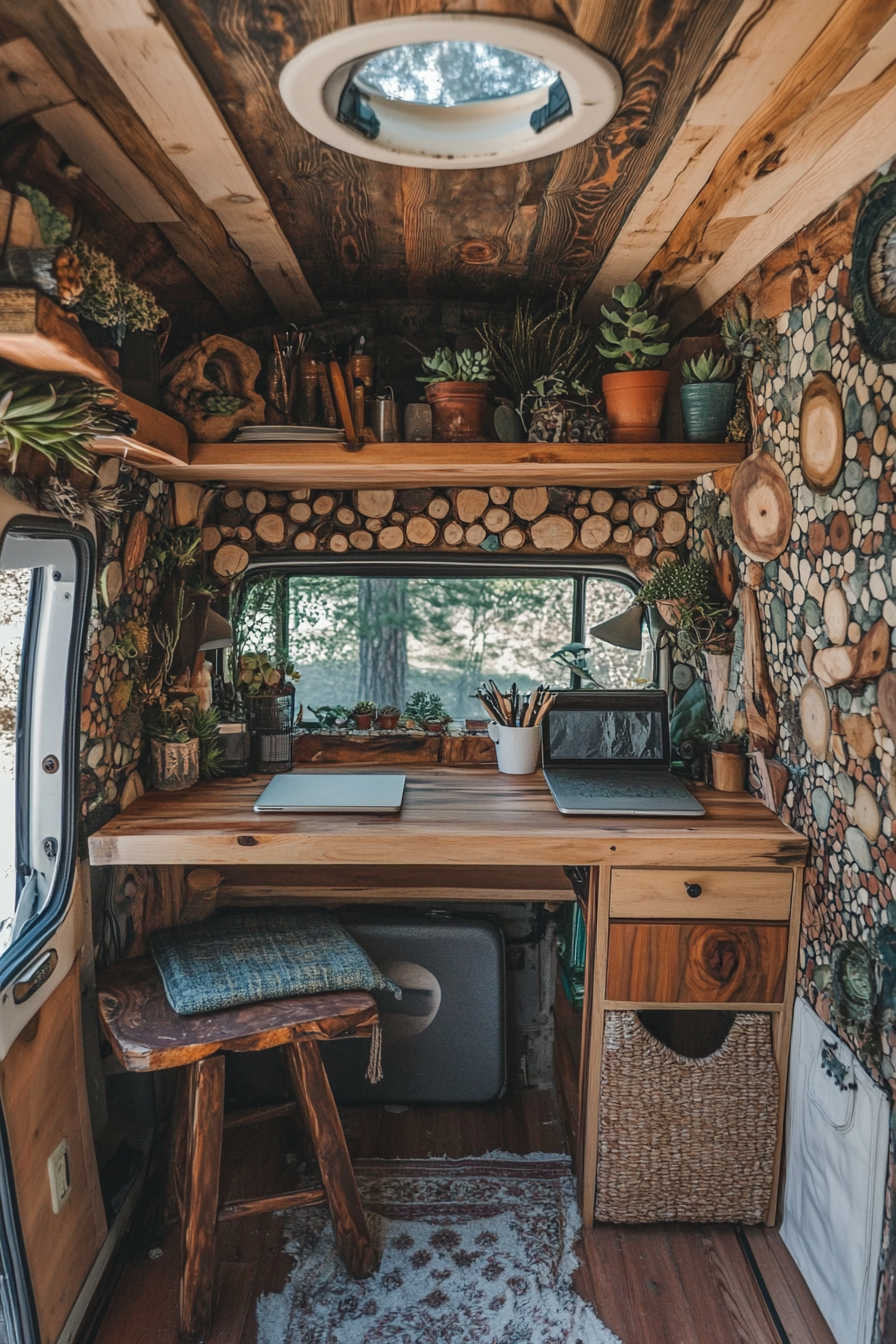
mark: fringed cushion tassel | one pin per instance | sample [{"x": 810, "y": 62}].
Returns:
[{"x": 375, "y": 1063}]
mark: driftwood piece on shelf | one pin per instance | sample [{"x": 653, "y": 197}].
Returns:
[
  {"x": 815, "y": 718},
  {"x": 822, "y": 433},
  {"x": 759, "y": 698},
  {"x": 761, "y": 507},
  {"x": 218, "y": 366},
  {"x": 201, "y": 894}
]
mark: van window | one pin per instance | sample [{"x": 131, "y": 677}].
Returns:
[{"x": 15, "y": 586}]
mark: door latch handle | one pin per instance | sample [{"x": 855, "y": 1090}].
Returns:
[{"x": 37, "y": 974}]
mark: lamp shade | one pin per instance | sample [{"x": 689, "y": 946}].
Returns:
[
  {"x": 623, "y": 630},
  {"x": 218, "y": 633}
]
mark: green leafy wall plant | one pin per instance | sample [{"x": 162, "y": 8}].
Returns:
[
  {"x": 634, "y": 337},
  {"x": 57, "y": 419}
]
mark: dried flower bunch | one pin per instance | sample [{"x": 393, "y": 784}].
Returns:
[{"x": 110, "y": 301}]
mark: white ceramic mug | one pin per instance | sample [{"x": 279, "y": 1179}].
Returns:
[{"x": 517, "y": 748}]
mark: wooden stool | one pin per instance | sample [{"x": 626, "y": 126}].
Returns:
[{"x": 147, "y": 1034}]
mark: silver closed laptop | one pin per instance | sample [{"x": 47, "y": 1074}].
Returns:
[
  {"x": 300, "y": 792},
  {"x": 608, "y": 753}
]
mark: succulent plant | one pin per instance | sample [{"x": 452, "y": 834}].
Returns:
[
  {"x": 364, "y": 707},
  {"x": 450, "y": 366},
  {"x": 388, "y": 710},
  {"x": 259, "y": 676},
  {"x": 633, "y": 335},
  {"x": 424, "y": 707},
  {"x": 708, "y": 367},
  {"x": 57, "y": 419},
  {"x": 746, "y": 337}
]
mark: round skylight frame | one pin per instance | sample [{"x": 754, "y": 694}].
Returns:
[{"x": 487, "y": 134}]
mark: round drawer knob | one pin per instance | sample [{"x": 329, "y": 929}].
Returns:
[{"x": 693, "y": 889}]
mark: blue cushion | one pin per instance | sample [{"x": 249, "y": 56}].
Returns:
[{"x": 250, "y": 956}]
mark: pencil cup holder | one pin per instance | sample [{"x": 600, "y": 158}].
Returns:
[{"x": 517, "y": 748}]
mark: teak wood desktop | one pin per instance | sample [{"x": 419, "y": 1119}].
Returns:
[{"x": 664, "y": 892}]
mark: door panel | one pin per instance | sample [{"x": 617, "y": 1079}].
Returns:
[{"x": 44, "y": 1099}]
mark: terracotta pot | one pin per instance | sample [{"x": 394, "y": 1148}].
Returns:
[
  {"x": 459, "y": 412},
  {"x": 175, "y": 765},
  {"x": 729, "y": 770},
  {"x": 476, "y": 725},
  {"x": 634, "y": 402},
  {"x": 670, "y": 608},
  {"x": 434, "y": 727},
  {"x": 388, "y": 722},
  {"x": 363, "y": 721}
]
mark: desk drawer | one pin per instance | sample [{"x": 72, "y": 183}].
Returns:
[
  {"x": 723, "y": 893},
  {"x": 665, "y": 962}
]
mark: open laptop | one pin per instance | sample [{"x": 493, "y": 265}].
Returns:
[
  {"x": 299, "y": 792},
  {"x": 608, "y": 753}
]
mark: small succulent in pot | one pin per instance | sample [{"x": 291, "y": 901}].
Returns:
[
  {"x": 183, "y": 741},
  {"x": 456, "y": 387},
  {"x": 707, "y": 396},
  {"x": 634, "y": 341},
  {"x": 387, "y": 717},
  {"x": 363, "y": 713},
  {"x": 426, "y": 711}
]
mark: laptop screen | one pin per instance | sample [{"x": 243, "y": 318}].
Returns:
[{"x": 608, "y": 729}]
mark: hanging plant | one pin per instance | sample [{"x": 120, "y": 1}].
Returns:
[
  {"x": 57, "y": 419},
  {"x": 111, "y": 302},
  {"x": 684, "y": 597}
]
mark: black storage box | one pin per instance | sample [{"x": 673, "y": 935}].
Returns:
[{"x": 443, "y": 1041}]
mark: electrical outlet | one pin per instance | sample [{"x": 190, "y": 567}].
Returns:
[{"x": 60, "y": 1174}]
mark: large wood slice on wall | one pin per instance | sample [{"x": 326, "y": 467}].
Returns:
[
  {"x": 761, "y": 507},
  {"x": 815, "y": 718},
  {"x": 822, "y": 433}
]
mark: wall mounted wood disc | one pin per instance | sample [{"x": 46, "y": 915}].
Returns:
[
  {"x": 886, "y": 701},
  {"x": 815, "y": 718},
  {"x": 822, "y": 433},
  {"x": 761, "y": 507}
]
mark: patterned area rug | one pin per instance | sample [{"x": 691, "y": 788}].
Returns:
[{"x": 476, "y": 1251}]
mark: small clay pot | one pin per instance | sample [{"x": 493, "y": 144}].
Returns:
[
  {"x": 175, "y": 765},
  {"x": 729, "y": 769},
  {"x": 363, "y": 721},
  {"x": 459, "y": 412},
  {"x": 476, "y": 725},
  {"x": 388, "y": 722},
  {"x": 634, "y": 401},
  {"x": 434, "y": 727},
  {"x": 670, "y": 609}
]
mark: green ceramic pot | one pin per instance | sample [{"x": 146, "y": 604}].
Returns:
[{"x": 707, "y": 408}]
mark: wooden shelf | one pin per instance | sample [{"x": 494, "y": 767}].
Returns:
[
  {"x": 38, "y": 334},
  {"x": 403, "y": 465}
]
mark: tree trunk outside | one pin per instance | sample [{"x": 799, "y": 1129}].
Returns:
[{"x": 383, "y": 613}]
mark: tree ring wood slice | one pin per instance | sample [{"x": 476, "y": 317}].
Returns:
[
  {"x": 815, "y": 718},
  {"x": 886, "y": 701},
  {"x": 761, "y": 507},
  {"x": 822, "y": 433}
]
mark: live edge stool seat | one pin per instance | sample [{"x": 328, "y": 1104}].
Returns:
[{"x": 146, "y": 1034}]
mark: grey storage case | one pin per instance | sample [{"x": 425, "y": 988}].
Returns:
[{"x": 444, "y": 1040}]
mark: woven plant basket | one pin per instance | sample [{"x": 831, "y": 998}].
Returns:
[{"x": 686, "y": 1140}]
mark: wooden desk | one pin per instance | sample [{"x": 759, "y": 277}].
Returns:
[{"x": 476, "y": 834}]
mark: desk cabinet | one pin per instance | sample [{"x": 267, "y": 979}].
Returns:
[{"x": 690, "y": 938}]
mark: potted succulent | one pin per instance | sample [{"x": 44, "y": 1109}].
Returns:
[
  {"x": 363, "y": 713},
  {"x": 634, "y": 341},
  {"x": 455, "y": 383},
  {"x": 683, "y": 595},
  {"x": 707, "y": 396},
  {"x": 426, "y": 711},
  {"x": 267, "y": 695},
  {"x": 388, "y": 717},
  {"x": 183, "y": 742},
  {"x": 729, "y": 761}
]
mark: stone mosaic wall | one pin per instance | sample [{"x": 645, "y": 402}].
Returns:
[
  {"x": 845, "y": 804},
  {"x": 118, "y": 640}
]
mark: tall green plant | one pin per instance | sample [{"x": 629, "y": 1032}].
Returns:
[
  {"x": 550, "y": 347},
  {"x": 634, "y": 337},
  {"x": 56, "y": 418}
]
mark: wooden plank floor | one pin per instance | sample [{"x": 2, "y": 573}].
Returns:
[{"x": 663, "y": 1284}]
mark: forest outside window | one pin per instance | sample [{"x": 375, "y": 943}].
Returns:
[{"x": 382, "y": 636}]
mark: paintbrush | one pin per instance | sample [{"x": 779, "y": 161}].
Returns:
[{"x": 544, "y": 709}]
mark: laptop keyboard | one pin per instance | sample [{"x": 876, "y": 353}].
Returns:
[{"x": 614, "y": 783}]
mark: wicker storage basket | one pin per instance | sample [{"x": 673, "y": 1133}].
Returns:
[{"x": 686, "y": 1140}]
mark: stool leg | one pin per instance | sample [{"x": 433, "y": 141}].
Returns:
[
  {"x": 203, "y": 1169},
  {"x": 312, "y": 1092},
  {"x": 177, "y": 1147}
]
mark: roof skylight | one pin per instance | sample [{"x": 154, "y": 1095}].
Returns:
[{"x": 443, "y": 74}]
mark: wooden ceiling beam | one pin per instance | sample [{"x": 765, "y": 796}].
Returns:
[
  {"x": 861, "y": 150},
  {"x": 762, "y": 42},
  {"x": 198, "y": 237},
  {"x": 777, "y": 145},
  {"x": 139, "y": 49}
]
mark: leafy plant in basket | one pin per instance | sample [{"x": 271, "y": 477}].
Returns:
[
  {"x": 426, "y": 711},
  {"x": 707, "y": 396},
  {"x": 268, "y": 697},
  {"x": 684, "y": 595},
  {"x": 456, "y": 386},
  {"x": 634, "y": 342}
]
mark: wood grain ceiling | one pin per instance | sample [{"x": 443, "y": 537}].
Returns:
[{"x": 741, "y": 120}]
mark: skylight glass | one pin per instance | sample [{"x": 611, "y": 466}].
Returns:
[{"x": 443, "y": 74}]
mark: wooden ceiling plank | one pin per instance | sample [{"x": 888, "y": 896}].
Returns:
[
  {"x": 859, "y": 151},
  {"x": 760, "y": 149},
  {"x": 198, "y": 237},
  {"x": 342, "y": 213},
  {"x": 139, "y": 49},
  {"x": 762, "y": 42},
  {"x": 662, "y": 53}
]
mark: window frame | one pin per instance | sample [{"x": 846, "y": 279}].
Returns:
[
  {"x": 65, "y": 738},
  {"x": 441, "y": 564}
]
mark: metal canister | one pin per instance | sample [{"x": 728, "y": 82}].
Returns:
[{"x": 384, "y": 417}]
